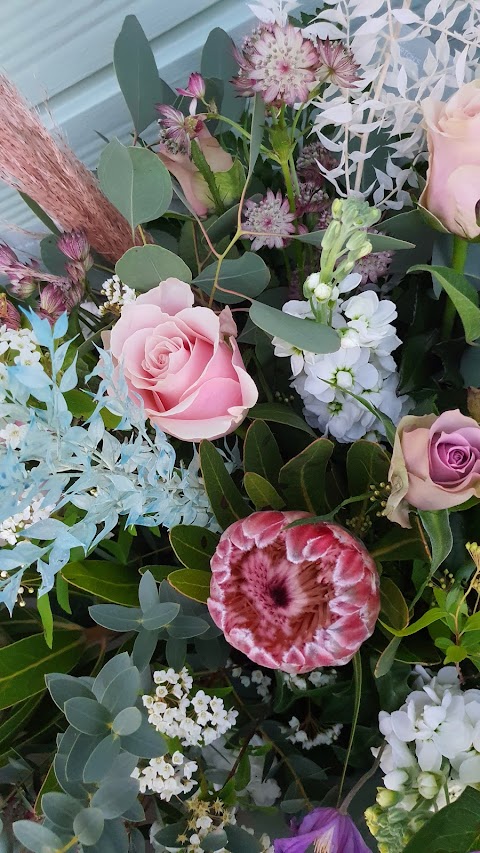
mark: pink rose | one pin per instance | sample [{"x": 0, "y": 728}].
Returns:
[
  {"x": 191, "y": 378},
  {"x": 452, "y": 192},
  {"x": 435, "y": 464},
  {"x": 191, "y": 181},
  {"x": 293, "y": 598}
]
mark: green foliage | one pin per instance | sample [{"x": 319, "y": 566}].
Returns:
[
  {"x": 194, "y": 583},
  {"x": 301, "y": 333},
  {"x": 24, "y": 664},
  {"x": 226, "y": 500},
  {"x": 454, "y": 829},
  {"x": 144, "y": 267},
  {"x": 277, "y": 413},
  {"x": 248, "y": 276},
  {"x": 136, "y": 182},
  {"x": 463, "y": 295},
  {"x": 303, "y": 478},
  {"x": 110, "y": 581},
  {"x": 194, "y": 546},
  {"x": 137, "y": 74},
  {"x": 260, "y": 452}
]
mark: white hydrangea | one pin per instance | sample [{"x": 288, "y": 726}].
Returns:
[
  {"x": 433, "y": 740},
  {"x": 168, "y": 776},
  {"x": 363, "y": 365},
  {"x": 117, "y": 294},
  {"x": 196, "y": 719}
]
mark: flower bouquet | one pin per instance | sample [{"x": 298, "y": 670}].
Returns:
[{"x": 240, "y": 449}]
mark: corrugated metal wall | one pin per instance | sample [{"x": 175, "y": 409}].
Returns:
[{"x": 62, "y": 51}]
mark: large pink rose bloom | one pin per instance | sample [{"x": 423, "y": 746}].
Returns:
[
  {"x": 435, "y": 464},
  {"x": 177, "y": 358},
  {"x": 293, "y": 598},
  {"x": 452, "y": 192}
]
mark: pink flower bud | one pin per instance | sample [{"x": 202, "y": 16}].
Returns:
[
  {"x": 9, "y": 316},
  {"x": 52, "y": 302},
  {"x": 74, "y": 245},
  {"x": 7, "y": 257}
]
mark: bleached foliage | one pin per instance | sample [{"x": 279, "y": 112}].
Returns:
[{"x": 405, "y": 57}]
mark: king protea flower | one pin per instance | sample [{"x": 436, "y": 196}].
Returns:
[
  {"x": 279, "y": 62},
  {"x": 293, "y": 598},
  {"x": 323, "y": 831}
]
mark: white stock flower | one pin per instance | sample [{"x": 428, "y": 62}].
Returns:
[
  {"x": 369, "y": 318},
  {"x": 344, "y": 370}
]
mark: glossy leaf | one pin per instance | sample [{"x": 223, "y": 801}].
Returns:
[
  {"x": 261, "y": 492},
  {"x": 260, "y": 452},
  {"x": 437, "y": 526},
  {"x": 135, "y": 180},
  {"x": 111, "y": 581},
  {"x": 277, "y": 413},
  {"x": 387, "y": 658},
  {"x": 137, "y": 74},
  {"x": 194, "y": 583},
  {"x": 16, "y": 721},
  {"x": 144, "y": 267},
  {"x": 431, "y": 616},
  {"x": 39, "y": 213},
  {"x": 454, "y": 829},
  {"x": 24, "y": 664},
  {"x": 46, "y": 615},
  {"x": 367, "y": 464},
  {"x": 194, "y": 546},
  {"x": 302, "y": 479},
  {"x": 225, "y": 499},
  {"x": 302, "y": 333},
  {"x": 247, "y": 276},
  {"x": 463, "y": 295},
  {"x": 399, "y": 544},
  {"x": 393, "y": 604}
]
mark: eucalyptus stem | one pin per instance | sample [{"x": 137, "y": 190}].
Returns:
[
  {"x": 357, "y": 674},
  {"x": 459, "y": 256}
]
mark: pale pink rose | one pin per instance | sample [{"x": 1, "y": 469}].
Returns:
[
  {"x": 190, "y": 377},
  {"x": 435, "y": 464},
  {"x": 184, "y": 170},
  {"x": 452, "y": 192},
  {"x": 293, "y": 598}
]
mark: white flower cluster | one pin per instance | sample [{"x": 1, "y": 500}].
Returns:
[
  {"x": 258, "y": 678},
  {"x": 433, "y": 741},
  {"x": 12, "y": 434},
  {"x": 320, "y": 738},
  {"x": 363, "y": 365},
  {"x": 196, "y": 719},
  {"x": 17, "y": 346},
  {"x": 167, "y": 776},
  {"x": 14, "y": 525},
  {"x": 116, "y": 295},
  {"x": 317, "y": 678}
]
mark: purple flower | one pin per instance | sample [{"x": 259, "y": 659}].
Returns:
[
  {"x": 194, "y": 90},
  {"x": 328, "y": 830}
]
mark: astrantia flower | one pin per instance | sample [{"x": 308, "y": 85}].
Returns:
[
  {"x": 328, "y": 830},
  {"x": 293, "y": 598},
  {"x": 279, "y": 62},
  {"x": 194, "y": 90},
  {"x": 178, "y": 130},
  {"x": 308, "y": 160},
  {"x": 338, "y": 64},
  {"x": 271, "y": 219},
  {"x": 9, "y": 315}
]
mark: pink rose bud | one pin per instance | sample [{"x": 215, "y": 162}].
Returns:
[
  {"x": 293, "y": 598},
  {"x": 9, "y": 316},
  {"x": 452, "y": 191},
  {"x": 435, "y": 464},
  {"x": 192, "y": 382}
]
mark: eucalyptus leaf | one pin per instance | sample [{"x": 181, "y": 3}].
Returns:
[
  {"x": 88, "y": 826},
  {"x": 87, "y": 715},
  {"x": 185, "y": 627},
  {"x": 159, "y": 616},
  {"x": 135, "y": 180},
  {"x": 101, "y": 759},
  {"x": 248, "y": 276},
  {"x": 122, "y": 691},
  {"x": 146, "y": 742},
  {"x": 144, "y": 267},
  {"x": 114, "y": 797},
  {"x": 115, "y": 617},
  {"x": 36, "y": 837},
  {"x": 127, "y": 721},
  {"x": 61, "y": 809},
  {"x": 64, "y": 687},
  {"x": 304, "y": 334}
]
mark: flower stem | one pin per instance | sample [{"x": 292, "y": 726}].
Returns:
[
  {"x": 357, "y": 674},
  {"x": 288, "y": 183},
  {"x": 459, "y": 256}
]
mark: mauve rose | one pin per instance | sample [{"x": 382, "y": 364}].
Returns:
[
  {"x": 191, "y": 181},
  {"x": 452, "y": 192},
  {"x": 435, "y": 464},
  {"x": 178, "y": 359}
]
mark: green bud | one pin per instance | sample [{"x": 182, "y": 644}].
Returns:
[
  {"x": 386, "y": 798},
  {"x": 337, "y": 208}
]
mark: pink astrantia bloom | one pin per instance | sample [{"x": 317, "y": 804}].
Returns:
[
  {"x": 9, "y": 316},
  {"x": 337, "y": 64},
  {"x": 52, "y": 303},
  {"x": 328, "y": 830},
  {"x": 271, "y": 219},
  {"x": 279, "y": 62},
  {"x": 178, "y": 130},
  {"x": 195, "y": 90},
  {"x": 293, "y": 598}
]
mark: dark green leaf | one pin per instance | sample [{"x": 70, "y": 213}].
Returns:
[
  {"x": 428, "y": 618},
  {"x": 225, "y": 499},
  {"x": 36, "y": 837},
  {"x": 260, "y": 452},
  {"x": 39, "y": 213},
  {"x": 24, "y": 664},
  {"x": 277, "y": 413},
  {"x": 111, "y": 581},
  {"x": 367, "y": 464},
  {"x": 137, "y": 74},
  {"x": 176, "y": 652},
  {"x": 302, "y": 479},
  {"x": 394, "y": 606},
  {"x": 463, "y": 295},
  {"x": 194, "y": 583},
  {"x": 194, "y": 546},
  {"x": 387, "y": 658},
  {"x": 16, "y": 721},
  {"x": 87, "y": 716},
  {"x": 437, "y": 525},
  {"x": 136, "y": 182},
  {"x": 247, "y": 276},
  {"x": 399, "y": 544},
  {"x": 52, "y": 257},
  {"x": 454, "y": 829},
  {"x": 304, "y": 334},
  {"x": 240, "y": 841},
  {"x": 257, "y": 129},
  {"x": 144, "y": 267},
  {"x": 261, "y": 492}
]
